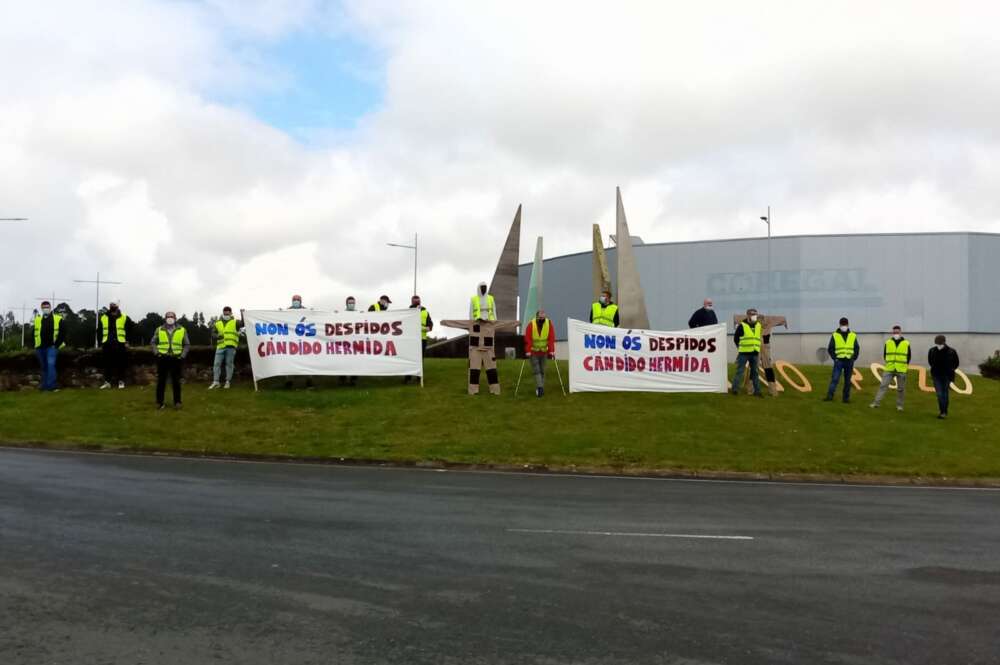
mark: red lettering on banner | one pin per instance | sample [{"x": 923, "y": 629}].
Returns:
[{"x": 390, "y": 348}]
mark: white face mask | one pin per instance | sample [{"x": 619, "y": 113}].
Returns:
[
  {"x": 603, "y": 300},
  {"x": 753, "y": 318},
  {"x": 170, "y": 320},
  {"x": 708, "y": 307},
  {"x": 350, "y": 307},
  {"x": 843, "y": 328},
  {"x": 227, "y": 317},
  {"x": 296, "y": 304},
  {"x": 46, "y": 311},
  {"x": 940, "y": 347},
  {"x": 896, "y": 336},
  {"x": 383, "y": 303}
]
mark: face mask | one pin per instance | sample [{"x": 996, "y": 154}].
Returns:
[
  {"x": 753, "y": 318},
  {"x": 708, "y": 307},
  {"x": 227, "y": 317},
  {"x": 46, "y": 311},
  {"x": 170, "y": 320},
  {"x": 843, "y": 328},
  {"x": 940, "y": 347},
  {"x": 897, "y": 336},
  {"x": 604, "y": 300},
  {"x": 482, "y": 290},
  {"x": 383, "y": 303},
  {"x": 350, "y": 307},
  {"x": 296, "y": 304}
]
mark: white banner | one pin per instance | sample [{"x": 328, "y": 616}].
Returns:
[
  {"x": 313, "y": 342},
  {"x": 679, "y": 361}
]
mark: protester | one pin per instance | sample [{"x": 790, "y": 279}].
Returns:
[
  {"x": 604, "y": 312},
  {"x": 943, "y": 361},
  {"x": 226, "y": 337},
  {"x": 296, "y": 302},
  {"x": 426, "y": 325},
  {"x": 114, "y": 330},
  {"x": 704, "y": 316},
  {"x": 844, "y": 350},
  {"x": 49, "y": 338},
  {"x": 748, "y": 336},
  {"x": 382, "y": 304},
  {"x": 170, "y": 346},
  {"x": 539, "y": 344},
  {"x": 896, "y": 354},
  {"x": 351, "y": 305},
  {"x": 482, "y": 306}
]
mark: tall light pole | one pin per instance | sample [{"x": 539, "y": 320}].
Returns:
[
  {"x": 767, "y": 220},
  {"x": 414, "y": 248},
  {"x": 97, "y": 302}
]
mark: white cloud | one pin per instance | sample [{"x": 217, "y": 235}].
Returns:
[{"x": 843, "y": 116}]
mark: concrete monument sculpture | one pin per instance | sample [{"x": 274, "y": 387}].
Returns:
[
  {"x": 504, "y": 286},
  {"x": 534, "y": 300},
  {"x": 601, "y": 274},
  {"x": 631, "y": 299}
]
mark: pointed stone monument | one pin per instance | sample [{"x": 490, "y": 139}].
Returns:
[
  {"x": 504, "y": 285},
  {"x": 533, "y": 303},
  {"x": 601, "y": 274},
  {"x": 631, "y": 299}
]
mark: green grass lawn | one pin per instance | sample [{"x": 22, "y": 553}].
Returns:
[{"x": 382, "y": 419}]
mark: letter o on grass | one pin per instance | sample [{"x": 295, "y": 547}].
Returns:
[
  {"x": 803, "y": 386},
  {"x": 965, "y": 379}
]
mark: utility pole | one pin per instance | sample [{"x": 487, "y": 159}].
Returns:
[
  {"x": 767, "y": 220},
  {"x": 414, "y": 248},
  {"x": 97, "y": 302}
]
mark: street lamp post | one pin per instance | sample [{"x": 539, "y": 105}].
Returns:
[
  {"x": 414, "y": 248},
  {"x": 767, "y": 220},
  {"x": 97, "y": 302}
]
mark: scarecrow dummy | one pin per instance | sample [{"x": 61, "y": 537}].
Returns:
[
  {"x": 767, "y": 324},
  {"x": 482, "y": 329}
]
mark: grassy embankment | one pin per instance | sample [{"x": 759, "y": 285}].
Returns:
[{"x": 385, "y": 420}]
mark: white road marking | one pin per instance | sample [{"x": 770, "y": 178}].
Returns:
[{"x": 628, "y": 534}]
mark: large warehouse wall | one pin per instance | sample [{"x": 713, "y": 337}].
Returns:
[{"x": 925, "y": 282}]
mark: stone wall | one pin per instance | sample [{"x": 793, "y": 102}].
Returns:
[{"x": 84, "y": 369}]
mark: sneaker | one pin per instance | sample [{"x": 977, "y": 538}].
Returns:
[
  {"x": 105, "y": 385},
  {"x": 121, "y": 384},
  {"x": 55, "y": 390},
  {"x": 160, "y": 407},
  {"x": 215, "y": 384},
  {"x": 942, "y": 416},
  {"x": 226, "y": 387},
  {"x": 899, "y": 408},
  {"x": 873, "y": 405}
]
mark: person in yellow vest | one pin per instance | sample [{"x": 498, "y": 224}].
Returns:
[
  {"x": 482, "y": 306},
  {"x": 226, "y": 337},
  {"x": 604, "y": 312},
  {"x": 426, "y": 325},
  {"x": 381, "y": 306},
  {"x": 170, "y": 346},
  {"x": 114, "y": 330},
  {"x": 49, "y": 338},
  {"x": 748, "y": 337},
  {"x": 539, "y": 344},
  {"x": 896, "y": 355},
  {"x": 844, "y": 350}
]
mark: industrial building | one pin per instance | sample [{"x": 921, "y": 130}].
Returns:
[{"x": 929, "y": 283}]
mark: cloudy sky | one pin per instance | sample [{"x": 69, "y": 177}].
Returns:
[{"x": 239, "y": 151}]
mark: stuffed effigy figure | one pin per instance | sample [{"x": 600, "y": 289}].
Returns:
[
  {"x": 768, "y": 323},
  {"x": 482, "y": 349}
]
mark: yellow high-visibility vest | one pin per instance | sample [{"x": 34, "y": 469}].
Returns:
[
  {"x": 895, "y": 355},
  {"x": 752, "y": 337},
  {"x": 603, "y": 316},
  {"x": 227, "y": 334},
  {"x": 540, "y": 338},
  {"x": 56, "y": 320},
  {"x": 843, "y": 349},
  {"x": 170, "y": 344},
  {"x": 119, "y": 328},
  {"x": 477, "y": 308},
  {"x": 423, "y": 323}
]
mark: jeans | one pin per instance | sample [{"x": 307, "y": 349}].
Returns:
[
  {"x": 941, "y": 387},
  {"x": 227, "y": 354},
  {"x": 741, "y": 360},
  {"x": 538, "y": 368},
  {"x": 168, "y": 366},
  {"x": 47, "y": 366},
  {"x": 884, "y": 386},
  {"x": 845, "y": 367}
]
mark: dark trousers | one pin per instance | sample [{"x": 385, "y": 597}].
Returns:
[
  {"x": 942, "y": 388},
  {"x": 168, "y": 366},
  {"x": 845, "y": 367},
  {"x": 115, "y": 359},
  {"x": 47, "y": 367}
]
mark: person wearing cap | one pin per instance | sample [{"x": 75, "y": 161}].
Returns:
[
  {"x": 943, "y": 361},
  {"x": 382, "y": 304},
  {"x": 844, "y": 350},
  {"x": 296, "y": 302},
  {"x": 704, "y": 316},
  {"x": 604, "y": 312},
  {"x": 170, "y": 346},
  {"x": 114, "y": 329},
  {"x": 226, "y": 337},
  {"x": 426, "y": 325},
  {"x": 539, "y": 344},
  {"x": 49, "y": 338},
  {"x": 896, "y": 354},
  {"x": 482, "y": 307},
  {"x": 748, "y": 337}
]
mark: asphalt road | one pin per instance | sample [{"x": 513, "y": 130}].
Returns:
[{"x": 117, "y": 559}]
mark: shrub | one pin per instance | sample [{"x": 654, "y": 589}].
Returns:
[{"x": 991, "y": 367}]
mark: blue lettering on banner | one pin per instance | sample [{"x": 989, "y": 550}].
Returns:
[
  {"x": 271, "y": 328},
  {"x": 598, "y": 341},
  {"x": 305, "y": 329},
  {"x": 632, "y": 343}
]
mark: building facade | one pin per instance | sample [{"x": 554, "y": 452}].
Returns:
[{"x": 929, "y": 283}]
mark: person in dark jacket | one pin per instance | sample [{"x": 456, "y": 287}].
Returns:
[
  {"x": 115, "y": 327},
  {"x": 844, "y": 350},
  {"x": 50, "y": 336},
  {"x": 704, "y": 316},
  {"x": 943, "y": 361}
]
